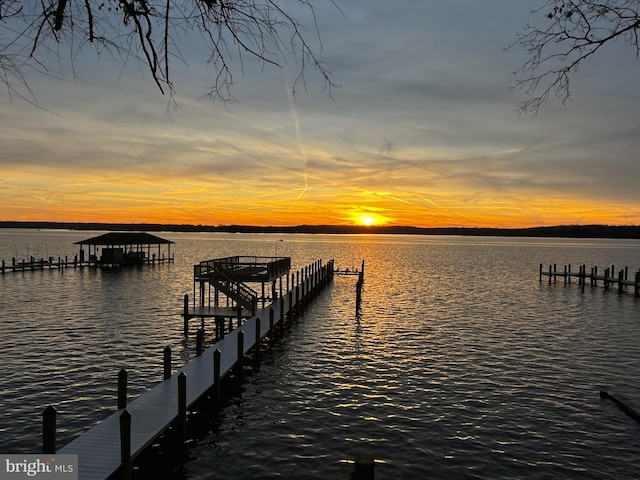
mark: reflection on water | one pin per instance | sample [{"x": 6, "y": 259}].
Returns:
[{"x": 459, "y": 364}]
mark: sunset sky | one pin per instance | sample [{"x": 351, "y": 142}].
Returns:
[{"x": 422, "y": 131}]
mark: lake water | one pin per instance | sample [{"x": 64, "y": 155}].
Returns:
[{"x": 461, "y": 364}]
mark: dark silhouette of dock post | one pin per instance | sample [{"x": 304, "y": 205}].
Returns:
[
  {"x": 359, "y": 286},
  {"x": 621, "y": 281},
  {"x": 199, "y": 341},
  {"x": 122, "y": 389},
  {"x": 185, "y": 314},
  {"x": 363, "y": 468},
  {"x": 182, "y": 408},
  {"x": 125, "y": 444},
  {"x": 636, "y": 286},
  {"x": 166, "y": 364},
  {"x": 49, "y": 430},
  {"x": 540, "y": 274}
]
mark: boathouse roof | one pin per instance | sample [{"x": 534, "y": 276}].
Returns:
[{"x": 125, "y": 238}]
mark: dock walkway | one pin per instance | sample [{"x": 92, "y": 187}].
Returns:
[{"x": 99, "y": 449}]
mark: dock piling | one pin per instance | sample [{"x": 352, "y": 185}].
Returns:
[
  {"x": 620, "y": 281},
  {"x": 49, "y": 430},
  {"x": 199, "y": 341},
  {"x": 186, "y": 313},
  {"x": 122, "y": 389},
  {"x": 363, "y": 468}
]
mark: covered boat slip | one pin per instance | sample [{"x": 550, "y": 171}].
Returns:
[
  {"x": 225, "y": 287},
  {"x": 117, "y": 249}
]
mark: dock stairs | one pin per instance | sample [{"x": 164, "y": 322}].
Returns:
[
  {"x": 231, "y": 276},
  {"x": 223, "y": 281}
]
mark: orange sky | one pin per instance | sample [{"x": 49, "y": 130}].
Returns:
[
  {"x": 54, "y": 194},
  {"x": 422, "y": 131}
]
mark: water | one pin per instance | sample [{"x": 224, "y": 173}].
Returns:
[{"x": 459, "y": 365}]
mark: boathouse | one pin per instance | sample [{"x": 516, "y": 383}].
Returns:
[{"x": 117, "y": 249}]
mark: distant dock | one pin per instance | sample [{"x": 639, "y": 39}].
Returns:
[
  {"x": 111, "y": 250},
  {"x": 607, "y": 277},
  {"x": 108, "y": 449},
  {"x": 50, "y": 263}
]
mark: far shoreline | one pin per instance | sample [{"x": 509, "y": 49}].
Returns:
[{"x": 562, "y": 231}]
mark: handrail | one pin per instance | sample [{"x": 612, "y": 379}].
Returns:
[
  {"x": 240, "y": 292},
  {"x": 247, "y": 294},
  {"x": 273, "y": 265}
]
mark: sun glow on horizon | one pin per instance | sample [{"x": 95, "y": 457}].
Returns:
[{"x": 369, "y": 220}]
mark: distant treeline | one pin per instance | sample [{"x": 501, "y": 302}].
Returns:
[{"x": 574, "y": 231}]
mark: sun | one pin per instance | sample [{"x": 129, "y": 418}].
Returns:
[{"x": 368, "y": 220}]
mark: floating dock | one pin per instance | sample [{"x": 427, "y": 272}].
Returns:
[
  {"x": 110, "y": 446},
  {"x": 609, "y": 279}
]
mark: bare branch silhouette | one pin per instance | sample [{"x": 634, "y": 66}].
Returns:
[
  {"x": 150, "y": 33},
  {"x": 575, "y": 30}
]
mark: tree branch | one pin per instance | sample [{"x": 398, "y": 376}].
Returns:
[{"x": 576, "y": 30}]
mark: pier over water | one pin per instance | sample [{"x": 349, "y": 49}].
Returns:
[
  {"x": 110, "y": 447},
  {"x": 607, "y": 277}
]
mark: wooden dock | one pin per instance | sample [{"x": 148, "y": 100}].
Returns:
[
  {"x": 119, "y": 249},
  {"x": 110, "y": 446},
  {"x": 50, "y": 263},
  {"x": 609, "y": 279},
  {"x": 61, "y": 264}
]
